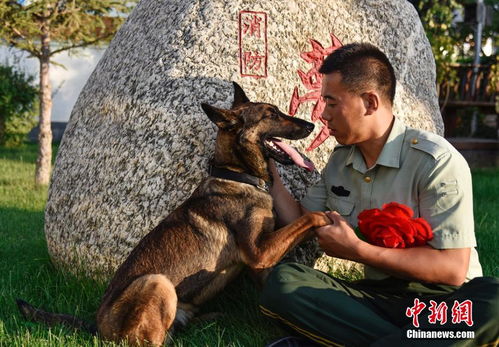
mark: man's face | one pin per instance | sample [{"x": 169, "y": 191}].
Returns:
[{"x": 344, "y": 111}]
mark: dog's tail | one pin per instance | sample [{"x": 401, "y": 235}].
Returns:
[{"x": 34, "y": 314}]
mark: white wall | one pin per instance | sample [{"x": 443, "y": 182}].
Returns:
[{"x": 71, "y": 80}]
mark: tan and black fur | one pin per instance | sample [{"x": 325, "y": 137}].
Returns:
[{"x": 203, "y": 244}]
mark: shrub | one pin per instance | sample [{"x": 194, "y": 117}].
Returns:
[{"x": 18, "y": 105}]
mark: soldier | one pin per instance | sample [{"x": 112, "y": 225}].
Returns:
[{"x": 380, "y": 160}]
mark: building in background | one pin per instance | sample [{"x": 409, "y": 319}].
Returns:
[{"x": 67, "y": 81}]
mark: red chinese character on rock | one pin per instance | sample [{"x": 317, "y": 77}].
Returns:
[
  {"x": 253, "y": 50},
  {"x": 438, "y": 313},
  {"x": 253, "y": 61},
  {"x": 312, "y": 81},
  {"x": 462, "y": 312},
  {"x": 414, "y": 311},
  {"x": 251, "y": 25}
]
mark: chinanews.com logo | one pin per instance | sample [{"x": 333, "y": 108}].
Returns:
[
  {"x": 439, "y": 334},
  {"x": 461, "y": 312}
]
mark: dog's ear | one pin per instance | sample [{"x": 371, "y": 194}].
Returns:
[
  {"x": 239, "y": 96},
  {"x": 224, "y": 119}
]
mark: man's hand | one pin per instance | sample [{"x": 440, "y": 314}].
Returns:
[
  {"x": 287, "y": 208},
  {"x": 446, "y": 266},
  {"x": 338, "y": 239},
  {"x": 273, "y": 169}
]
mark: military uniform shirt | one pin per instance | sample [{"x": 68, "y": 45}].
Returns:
[{"x": 415, "y": 168}]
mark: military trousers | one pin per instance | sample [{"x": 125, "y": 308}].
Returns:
[{"x": 388, "y": 312}]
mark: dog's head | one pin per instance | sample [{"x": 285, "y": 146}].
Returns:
[{"x": 249, "y": 134}]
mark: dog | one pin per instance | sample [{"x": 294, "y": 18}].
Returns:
[{"x": 227, "y": 223}]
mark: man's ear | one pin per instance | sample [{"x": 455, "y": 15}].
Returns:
[
  {"x": 239, "y": 95},
  {"x": 371, "y": 102},
  {"x": 223, "y": 119}
]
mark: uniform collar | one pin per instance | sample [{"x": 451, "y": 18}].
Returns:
[{"x": 390, "y": 154}]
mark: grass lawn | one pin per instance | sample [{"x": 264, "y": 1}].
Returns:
[{"x": 27, "y": 272}]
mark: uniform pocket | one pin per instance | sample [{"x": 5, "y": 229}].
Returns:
[{"x": 342, "y": 206}]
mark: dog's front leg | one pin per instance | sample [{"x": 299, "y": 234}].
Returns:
[{"x": 262, "y": 248}]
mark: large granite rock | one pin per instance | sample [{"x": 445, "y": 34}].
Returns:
[{"x": 138, "y": 142}]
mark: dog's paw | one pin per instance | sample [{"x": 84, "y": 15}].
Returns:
[
  {"x": 182, "y": 317},
  {"x": 319, "y": 219},
  {"x": 25, "y": 309}
]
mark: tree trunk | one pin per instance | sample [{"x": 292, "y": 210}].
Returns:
[{"x": 44, "y": 160}]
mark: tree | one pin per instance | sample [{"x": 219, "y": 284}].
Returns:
[
  {"x": 437, "y": 17},
  {"x": 467, "y": 75},
  {"x": 453, "y": 41},
  {"x": 18, "y": 99},
  {"x": 44, "y": 28}
]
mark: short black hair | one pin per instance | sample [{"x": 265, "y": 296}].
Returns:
[{"x": 362, "y": 66}]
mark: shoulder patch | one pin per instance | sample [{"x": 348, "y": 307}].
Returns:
[{"x": 429, "y": 143}]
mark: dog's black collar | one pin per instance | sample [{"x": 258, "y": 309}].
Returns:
[{"x": 239, "y": 177}]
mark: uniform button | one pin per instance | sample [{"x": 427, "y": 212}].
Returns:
[
  {"x": 367, "y": 179},
  {"x": 415, "y": 141}
]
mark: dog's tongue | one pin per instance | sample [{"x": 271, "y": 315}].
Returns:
[{"x": 294, "y": 155}]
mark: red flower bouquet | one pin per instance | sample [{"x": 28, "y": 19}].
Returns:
[{"x": 394, "y": 227}]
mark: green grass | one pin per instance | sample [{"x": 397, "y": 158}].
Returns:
[
  {"x": 486, "y": 207},
  {"x": 26, "y": 270}
]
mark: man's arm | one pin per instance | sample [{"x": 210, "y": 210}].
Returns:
[
  {"x": 446, "y": 266},
  {"x": 287, "y": 208}
]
